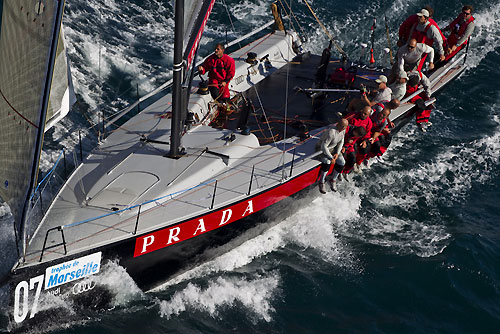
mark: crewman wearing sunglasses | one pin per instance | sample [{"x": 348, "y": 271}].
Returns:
[{"x": 460, "y": 30}]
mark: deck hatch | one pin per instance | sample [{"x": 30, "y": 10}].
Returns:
[{"x": 124, "y": 190}]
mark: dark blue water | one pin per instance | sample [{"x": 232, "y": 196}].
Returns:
[{"x": 411, "y": 246}]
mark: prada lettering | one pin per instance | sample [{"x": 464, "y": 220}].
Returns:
[{"x": 193, "y": 228}]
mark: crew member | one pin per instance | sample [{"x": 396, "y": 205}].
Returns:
[
  {"x": 331, "y": 143},
  {"x": 429, "y": 33},
  {"x": 381, "y": 135},
  {"x": 411, "y": 57},
  {"x": 399, "y": 86},
  {"x": 382, "y": 94},
  {"x": 460, "y": 30},
  {"x": 353, "y": 136},
  {"x": 423, "y": 113},
  {"x": 407, "y": 26},
  {"x": 221, "y": 70},
  {"x": 362, "y": 119}
]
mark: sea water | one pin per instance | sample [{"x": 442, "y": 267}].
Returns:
[{"x": 410, "y": 246}]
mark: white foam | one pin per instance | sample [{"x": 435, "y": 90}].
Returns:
[
  {"x": 122, "y": 287},
  {"x": 256, "y": 295},
  {"x": 310, "y": 227}
]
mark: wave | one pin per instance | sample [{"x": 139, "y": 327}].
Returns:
[{"x": 256, "y": 295}]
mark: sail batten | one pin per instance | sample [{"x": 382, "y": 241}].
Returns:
[{"x": 27, "y": 41}]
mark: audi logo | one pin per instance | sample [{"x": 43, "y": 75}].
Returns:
[{"x": 82, "y": 287}]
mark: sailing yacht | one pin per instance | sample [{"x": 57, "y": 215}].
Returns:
[{"x": 187, "y": 175}]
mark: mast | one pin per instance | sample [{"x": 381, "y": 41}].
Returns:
[
  {"x": 175, "y": 135},
  {"x": 43, "y": 116}
]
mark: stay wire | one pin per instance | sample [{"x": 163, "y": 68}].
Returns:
[
  {"x": 293, "y": 15},
  {"x": 286, "y": 101},
  {"x": 230, "y": 19}
]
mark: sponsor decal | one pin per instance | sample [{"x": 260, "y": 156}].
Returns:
[
  {"x": 192, "y": 228},
  {"x": 83, "y": 286},
  {"x": 72, "y": 270}
]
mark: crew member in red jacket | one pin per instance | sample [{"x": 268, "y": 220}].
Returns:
[
  {"x": 461, "y": 28},
  {"x": 220, "y": 68},
  {"x": 425, "y": 30},
  {"x": 405, "y": 28},
  {"x": 362, "y": 119}
]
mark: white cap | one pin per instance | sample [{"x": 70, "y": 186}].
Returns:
[
  {"x": 424, "y": 12},
  {"x": 381, "y": 79}
]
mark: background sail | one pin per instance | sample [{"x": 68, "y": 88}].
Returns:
[
  {"x": 196, "y": 13},
  {"x": 25, "y": 42},
  {"x": 62, "y": 94}
]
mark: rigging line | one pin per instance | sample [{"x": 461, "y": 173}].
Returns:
[
  {"x": 17, "y": 112},
  {"x": 325, "y": 30},
  {"x": 291, "y": 13},
  {"x": 264, "y": 113},
  {"x": 230, "y": 20},
  {"x": 288, "y": 16},
  {"x": 286, "y": 104}
]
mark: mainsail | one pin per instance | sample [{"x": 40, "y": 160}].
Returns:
[{"x": 28, "y": 35}]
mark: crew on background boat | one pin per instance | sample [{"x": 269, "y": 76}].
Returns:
[
  {"x": 460, "y": 30},
  {"x": 409, "y": 24},
  {"x": 331, "y": 144},
  {"x": 429, "y": 33},
  {"x": 411, "y": 57},
  {"x": 221, "y": 69}
]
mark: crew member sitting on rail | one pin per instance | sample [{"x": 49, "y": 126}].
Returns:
[
  {"x": 406, "y": 28},
  {"x": 423, "y": 113},
  {"x": 362, "y": 119},
  {"x": 382, "y": 94},
  {"x": 221, "y": 70},
  {"x": 461, "y": 28},
  {"x": 381, "y": 135},
  {"x": 331, "y": 143},
  {"x": 429, "y": 33},
  {"x": 412, "y": 57},
  {"x": 353, "y": 136},
  {"x": 399, "y": 86}
]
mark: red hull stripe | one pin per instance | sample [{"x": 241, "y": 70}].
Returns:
[{"x": 192, "y": 228}]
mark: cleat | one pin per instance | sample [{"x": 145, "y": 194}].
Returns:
[
  {"x": 422, "y": 127},
  {"x": 367, "y": 164},
  {"x": 322, "y": 188},
  {"x": 429, "y": 124}
]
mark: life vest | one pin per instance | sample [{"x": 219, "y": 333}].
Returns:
[
  {"x": 458, "y": 29},
  {"x": 421, "y": 36},
  {"x": 409, "y": 25}
]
